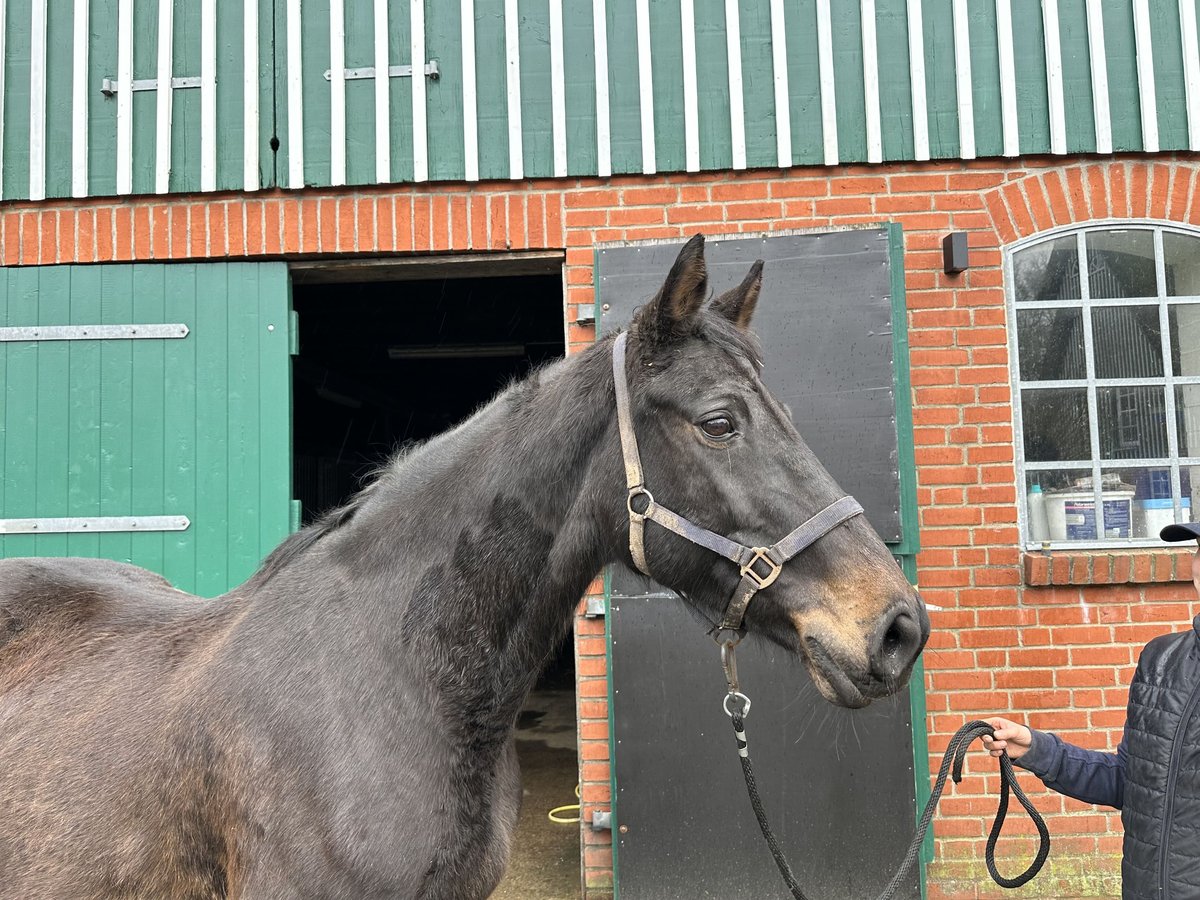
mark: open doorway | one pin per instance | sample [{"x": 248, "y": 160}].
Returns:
[{"x": 386, "y": 363}]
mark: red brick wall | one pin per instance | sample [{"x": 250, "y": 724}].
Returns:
[{"x": 1050, "y": 638}]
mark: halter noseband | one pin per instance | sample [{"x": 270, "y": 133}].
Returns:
[{"x": 759, "y": 566}]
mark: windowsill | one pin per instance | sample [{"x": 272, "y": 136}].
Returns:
[{"x": 1113, "y": 566}]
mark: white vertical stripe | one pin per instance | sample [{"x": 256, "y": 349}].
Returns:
[
  {"x": 124, "y": 96},
  {"x": 164, "y": 96},
  {"x": 1145, "y": 65},
  {"x": 250, "y": 174},
  {"x": 79, "y": 98},
  {"x": 383, "y": 96},
  {"x": 871, "y": 82},
  {"x": 1008, "y": 79},
  {"x": 828, "y": 99},
  {"x": 783, "y": 112},
  {"x": 37, "y": 101},
  {"x": 337, "y": 92},
  {"x": 295, "y": 101},
  {"x": 603, "y": 126},
  {"x": 691, "y": 102},
  {"x": 558, "y": 89},
  {"x": 916, "y": 77},
  {"x": 420, "y": 135},
  {"x": 1099, "y": 64},
  {"x": 208, "y": 95},
  {"x": 963, "y": 81},
  {"x": 646, "y": 87},
  {"x": 1054, "y": 77},
  {"x": 737, "y": 113},
  {"x": 512, "y": 69},
  {"x": 470, "y": 113},
  {"x": 1191, "y": 70}
]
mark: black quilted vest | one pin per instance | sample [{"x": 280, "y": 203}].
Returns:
[{"x": 1161, "y": 809}]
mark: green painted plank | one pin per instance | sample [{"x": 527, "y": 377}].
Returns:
[
  {"x": 804, "y": 83},
  {"x": 212, "y": 517},
  {"x": 400, "y": 95},
  {"x": 360, "y": 94},
  {"x": 185, "y": 104},
  {"x": 846, "y": 22},
  {"x": 895, "y": 86},
  {"x": 242, "y": 450},
  {"x": 5, "y": 277},
  {"x": 1121, "y": 61},
  {"x": 116, "y": 410},
  {"x": 758, "y": 84},
  {"x": 666, "y": 70},
  {"x": 20, "y": 412},
  {"x": 231, "y": 96},
  {"x": 102, "y": 111},
  {"x": 83, "y": 438},
  {"x": 314, "y": 36},
  {"x": 537, "y": 128},
  {"x": 444, "y": 97},
  {"x": 148, "y": 360},
  {"x": 579, "y": 65},
  {"x": 624, "y": 87},
  {"x": 1029, "y": 54},
  {"x": 272, "y": 106},
  {"x": 940, "y": 90},
  {"x": 712, "y": 85},
  {"x": 59, "y": 74},
  {"x": 1169, "y": 87},
  {"x": 491, "y": 89},
  {"x": 15, "y": 183},
  {"x": 985, "y": 80},
  {"x": 53, "y": 407},
  {"x": 145, "y": 103},
  {"x": 275, "y": 407},
  {"x": 179, "y": 426},
  {"x": 1077, "y": 76}
]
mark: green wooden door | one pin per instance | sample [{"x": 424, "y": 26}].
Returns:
[{"x": 124, "y": 435}]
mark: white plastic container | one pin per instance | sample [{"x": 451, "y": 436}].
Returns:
[
  {"x": 1071, "y": 515},
  {"x": 1151, "y": 516},
  {"x": 1039, "y": 524}
]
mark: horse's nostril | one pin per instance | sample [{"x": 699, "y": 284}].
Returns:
[{"x": 900, "y": 638}]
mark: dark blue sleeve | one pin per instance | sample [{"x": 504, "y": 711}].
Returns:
[{"x": 1092, "y": 776}]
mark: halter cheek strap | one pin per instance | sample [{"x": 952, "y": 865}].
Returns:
[{"x": 759, "y": 566}]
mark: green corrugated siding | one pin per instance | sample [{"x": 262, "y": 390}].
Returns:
[
  {"x": 444, "y": 149},
  {"x": 198, "y": 426}
]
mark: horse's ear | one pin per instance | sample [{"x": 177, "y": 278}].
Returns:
[
  {"x": 738, "y": 304},
  {"x": 680, "y": 297}
]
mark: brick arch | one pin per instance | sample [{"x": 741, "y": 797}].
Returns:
[{"x": 1094, "y": 191}]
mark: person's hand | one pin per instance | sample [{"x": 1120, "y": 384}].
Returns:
[{"x": 1010, "y": 736}]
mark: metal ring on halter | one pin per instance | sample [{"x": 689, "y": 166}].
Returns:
[
  {"x": 736, "y": 695},
  {"x": 635, "y": 492}
]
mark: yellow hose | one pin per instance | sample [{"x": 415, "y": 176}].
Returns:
[{"x": 554, "y": 816}]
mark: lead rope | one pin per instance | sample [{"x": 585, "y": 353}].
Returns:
[{"x": 737, "y": 706}]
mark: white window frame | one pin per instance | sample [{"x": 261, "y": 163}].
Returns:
[{"x": 1085, "y": 303}]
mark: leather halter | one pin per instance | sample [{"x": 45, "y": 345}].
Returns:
[{"x": 759, "y": 566}]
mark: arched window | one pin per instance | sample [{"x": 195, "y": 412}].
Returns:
[{"x": 1105, "y": 340}]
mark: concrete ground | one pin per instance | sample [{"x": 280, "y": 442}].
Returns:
[{"x": 545, "y": 860}]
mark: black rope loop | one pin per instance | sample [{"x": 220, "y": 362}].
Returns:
[{"x": 952, "y": 763}]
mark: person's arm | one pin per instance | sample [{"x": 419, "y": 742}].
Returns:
[{"x": 1092, "y": 776}]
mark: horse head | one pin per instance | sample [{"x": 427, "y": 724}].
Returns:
[{"x": 717, "y": 450}]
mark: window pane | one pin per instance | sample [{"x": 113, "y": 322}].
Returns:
[
  {"x": 1050, "y": 344},
  {"x": 1071, "y": 505},
  {"x": 1187, "y": 418},
  {"x": 1182, "y": 255},
  {"x": 1055, "y": 424},
  {"x": 1047, "y": 271},
  {"x": 1184, "y": 319},
  {"x": 1051, "y": 482},
  {"x": 1121, "y": 263},
  {"x": 1127, "y": 341},
  {"x": 1132, "y": 422},
  {"x": 1153, "y": 506}
]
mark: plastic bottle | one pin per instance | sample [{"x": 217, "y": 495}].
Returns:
[{"x": 1039, "y": 525}]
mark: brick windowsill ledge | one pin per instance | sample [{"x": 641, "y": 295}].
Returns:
[{"x": 1068, "y": 567}]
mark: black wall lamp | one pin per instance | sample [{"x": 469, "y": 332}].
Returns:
[{"x": 954, "y": 253}]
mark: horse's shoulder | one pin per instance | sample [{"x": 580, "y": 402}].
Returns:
[{"x": 65, "y": 592}]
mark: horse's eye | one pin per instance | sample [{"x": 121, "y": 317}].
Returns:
[{"x": 717, "y": 427}]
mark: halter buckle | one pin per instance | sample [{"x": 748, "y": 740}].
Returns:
[{"x": 761, "y": 554}]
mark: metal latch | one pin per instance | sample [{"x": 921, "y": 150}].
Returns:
[
  {"x": 602, "y": 820},
  {"x": 595, "y": 608},
  {"x": 109, "y": 86},
  {"x": 431, "y": 70}
]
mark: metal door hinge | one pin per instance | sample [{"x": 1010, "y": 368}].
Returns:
[
  {"x": 602, "y": 820},
  {"x": 431, "y": 71},
  {"x": 293, "y": 332},
  {"x": 78, "y": 524},
  {"x": 110, "y": 86},
  {"x": 596, "y": 608},
  {"x": 92, "y": 332},
  {"x": 295, "y": 515}
]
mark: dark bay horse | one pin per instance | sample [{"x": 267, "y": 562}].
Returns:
[{"x": 341, "y": 725}]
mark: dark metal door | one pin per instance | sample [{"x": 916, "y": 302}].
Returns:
[{"x": 838, "y": 784}]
